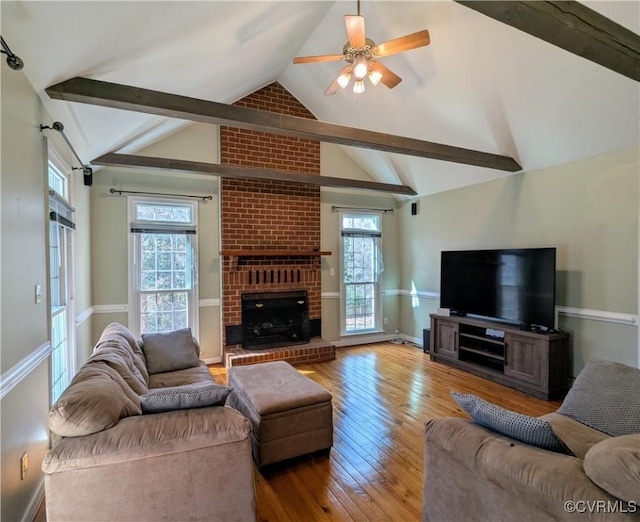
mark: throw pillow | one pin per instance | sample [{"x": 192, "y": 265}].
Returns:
[
  {"x": 530, "y": 430},
  {"x": 614, "y": 465},
  {"x": 605, "y": 396},
  {"x": 169, "y": 351},
  {"x": 184, "y": 397}
]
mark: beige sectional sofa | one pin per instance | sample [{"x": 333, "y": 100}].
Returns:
[
  {"x": 111, "y": 461},
  {"x": 472, "y": 473}
]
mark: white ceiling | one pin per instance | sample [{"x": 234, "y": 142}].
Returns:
[{"x": 480, "y": 84}]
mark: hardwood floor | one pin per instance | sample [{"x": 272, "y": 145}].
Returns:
[{"x": 382, "y": 395}]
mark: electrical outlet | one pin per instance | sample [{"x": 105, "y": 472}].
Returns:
[
  {"x": 38, "y": 294},
  {"x": 332, "y": 271},
  {"x": 385, "y": 321},
  {"x": 24, "y": 466}
]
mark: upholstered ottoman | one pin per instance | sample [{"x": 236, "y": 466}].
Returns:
[{"x": 290, "y": 414}]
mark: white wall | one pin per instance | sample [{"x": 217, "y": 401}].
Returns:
[
  {"x": 335, "y": 163},
  {"x": 198, "y": 142},
  {"x": 25, "y": 347},
  {"x": 24, "y": 324},
  {"x": 587, "y": 209},
  {"x": 82, "y": 264}
]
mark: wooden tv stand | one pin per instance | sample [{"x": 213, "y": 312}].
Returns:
[{"x": 533, "y": 362}]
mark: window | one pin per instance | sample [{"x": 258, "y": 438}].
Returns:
[
  {"x": 61, "y": 237},
  {"x": 163, "y": 266},
  {"x": 361, "y": 270},
  {"x": 57, "y": 179}
]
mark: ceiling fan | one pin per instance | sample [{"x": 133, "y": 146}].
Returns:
[{"x": 361, "y": 55}]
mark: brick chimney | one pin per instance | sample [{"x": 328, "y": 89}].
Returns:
[{"x": 269, "y": 215}]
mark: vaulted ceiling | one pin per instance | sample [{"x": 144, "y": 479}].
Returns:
[{"x": 480, "y": 84}]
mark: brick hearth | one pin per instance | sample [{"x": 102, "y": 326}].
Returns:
[{"x": 317, "y": 350}]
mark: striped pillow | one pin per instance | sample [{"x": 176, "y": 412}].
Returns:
[
  {"x": 184, "y": 397},
  {"x": 530, "y": 430}
]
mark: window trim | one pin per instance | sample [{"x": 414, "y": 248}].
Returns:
[
  {"x": 64, "y": 168},
  {"x": 132, "y": 257},
  {"x": 378, "y": 312},
  {"x": 58, "y": 161}
]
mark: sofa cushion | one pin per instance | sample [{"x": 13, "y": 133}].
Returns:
[
  {"x": 95, "y": 400},
  {"x": 605, "y": 396},
  {"x": 118, "y": 355},
  {"x": 502, "y": 471},
  {"x": 193, "y": 375},
  {"x": 169, "y": 351},
  {"x": 576, "y": 436},
  {"x": 116, "y": 331},
  {"x": 148, "y": 437},
  {"x": 184, "y": 397},
  {"x": 529, "y": 430},
  {"x": 614, "y": 465}
]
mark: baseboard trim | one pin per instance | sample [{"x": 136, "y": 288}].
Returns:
[
  {"x": 598, "y": 315},
  {"x": 203, "y": 303},
  {"x": 567, "y": 311},
  {"x": 10, "y": 379},
  {"x": 412, "y": 340},
  {"x": 36, "y": 502},
  {"x": 212, "y": 360},
  {"x": 435, "y": 296},
  {"x": 363, "y": 339},
  {"x": 111, "y": 309},
  {"x": 123, "y": 308},
  {"x": 82, "y": 317}
]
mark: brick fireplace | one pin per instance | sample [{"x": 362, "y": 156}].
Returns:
[{"x": 267, "y": 223}]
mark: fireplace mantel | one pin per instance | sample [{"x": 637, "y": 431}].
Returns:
[{"x": 274, "y": 253}]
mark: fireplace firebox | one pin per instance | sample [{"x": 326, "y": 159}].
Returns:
[{"x": 273, "y": 319}]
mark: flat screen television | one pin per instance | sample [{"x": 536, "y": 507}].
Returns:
[{"x": 517, "y": 285}]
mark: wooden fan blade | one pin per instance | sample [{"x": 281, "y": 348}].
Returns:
[
  {"x": 355, "y": 30},
  {"x": 389, "y": 78},
  {"x": 333, "y": 88},
  {"x": 320, "y": 58},
  {"x": 402, "y": 44}
]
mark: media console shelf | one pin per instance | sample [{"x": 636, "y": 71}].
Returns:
[{"x": 533, "y": 362}]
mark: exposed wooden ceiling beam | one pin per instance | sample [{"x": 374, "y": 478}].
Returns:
[
  {"x": 571, "y": 26},
  {"x": 95, "y": 92},
  {"x": 229, "y": 171}
]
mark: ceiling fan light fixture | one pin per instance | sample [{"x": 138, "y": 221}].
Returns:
[
  {"x": 375, "y": 76},
  {"x": 358, "y": 87},
  {"x": 361, "y": 55},
  {"x": 360, "y": 68},
  {"x": 344, "y": 79}
]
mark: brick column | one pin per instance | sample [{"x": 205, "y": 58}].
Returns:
[{"x": 271, "y": 215}]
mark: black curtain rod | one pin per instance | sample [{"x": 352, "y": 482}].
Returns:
[
  {"x": 121, "y": 192},
  {"x": 383, "y": 210},
  {"x": 13, "y": 60},
  {"x": 86, "y": 169}
]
